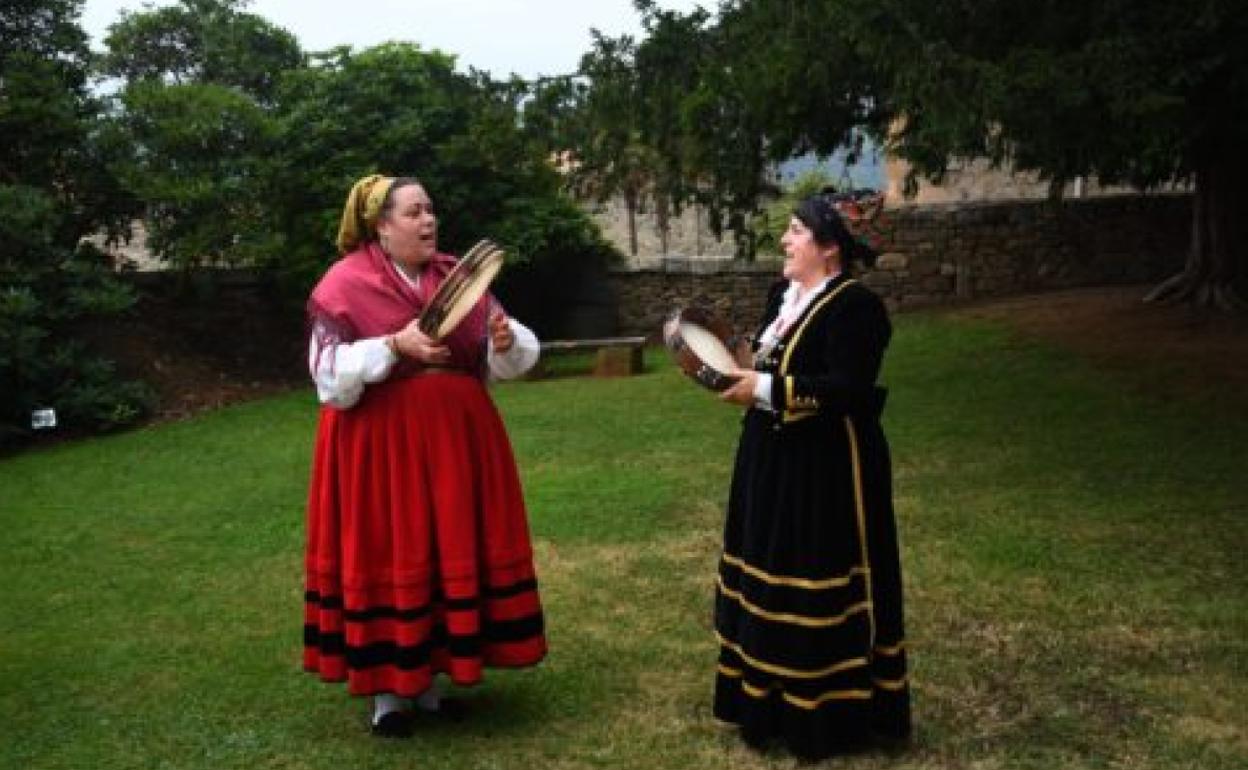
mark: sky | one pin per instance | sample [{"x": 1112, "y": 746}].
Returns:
[{"x": 528, "y": 37}]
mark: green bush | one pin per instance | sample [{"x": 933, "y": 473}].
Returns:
[{"x": 47, "y": 294}]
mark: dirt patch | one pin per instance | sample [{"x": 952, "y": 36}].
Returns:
[
  {"x": 199, "y": 355},
  {"x": 1184, "y": 351}
]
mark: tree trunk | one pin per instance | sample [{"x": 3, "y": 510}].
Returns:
[
  {"x": 662, "y": 216},
  {"x": 1216, "y": 273},
  {"x": 630, "y": 202},
  {"x": 697, "y": 229}
]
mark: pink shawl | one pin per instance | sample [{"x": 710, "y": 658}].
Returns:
[{"x": 362, "y": 295}]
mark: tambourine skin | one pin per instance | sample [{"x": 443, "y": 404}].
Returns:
[
  {"x": 461, "y": 289},
  {"x": 690, "y": 361}
]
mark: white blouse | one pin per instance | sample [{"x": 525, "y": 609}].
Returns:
[{"x": 342, "y": 371}]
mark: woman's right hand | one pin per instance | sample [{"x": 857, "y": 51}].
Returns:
[{"x": 411, "y": 342}]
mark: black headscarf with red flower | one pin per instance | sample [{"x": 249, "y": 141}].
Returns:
[{"x": 821, "y": 213}]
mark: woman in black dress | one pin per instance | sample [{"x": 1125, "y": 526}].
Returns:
[{"x": 808, "y": 608}]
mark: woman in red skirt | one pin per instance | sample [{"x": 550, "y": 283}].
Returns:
[{"x": 418, "y": 555}]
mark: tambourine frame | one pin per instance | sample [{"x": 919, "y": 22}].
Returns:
[
  {"x": 688, "y": 359},
  {"x": 460, "y": 290}
]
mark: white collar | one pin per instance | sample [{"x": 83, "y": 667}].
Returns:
[
  {"x": 791, "y": 308},
  {"x": 413, "y": 282},
  {"x": 791, "y": 293}
]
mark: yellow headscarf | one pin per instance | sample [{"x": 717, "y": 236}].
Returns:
[{"x": 359, "y": 216}]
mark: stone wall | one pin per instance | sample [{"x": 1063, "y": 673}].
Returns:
[
  {"x": 947, "y": 253},
  {"x": 936, "y": 254},
  {"x": 733, "y": 290},
  {"x": 689, "y": 233}
]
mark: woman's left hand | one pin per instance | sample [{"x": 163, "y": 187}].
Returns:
[
  {"x": 501, "y": 336},
  {"x": 742, "y": 391}
]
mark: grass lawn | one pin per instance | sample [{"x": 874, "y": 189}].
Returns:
[{"x": 1074, "y": 557}]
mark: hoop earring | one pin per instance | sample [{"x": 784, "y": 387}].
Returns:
[{"x": 384, "y": 242}]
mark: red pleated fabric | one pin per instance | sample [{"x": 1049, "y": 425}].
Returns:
[{"x": 418, "y": 554}]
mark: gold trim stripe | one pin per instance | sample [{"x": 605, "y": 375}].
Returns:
[
  {"x": 789, "y": 415},
  {"x": 860, "y": 511},
  {"x": 786, "y": 580},
  {"x": 895, "y": 649},
  {"x": 894, "y": 685},
  {"x": 728, "y": 671},
  {"x": 795, "y": 673},
  {"x": 788, "y": 351},
  {"x": 809, "y": 704},
  {"x": 788, "y": 617}
]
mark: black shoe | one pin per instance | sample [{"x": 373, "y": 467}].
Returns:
[{"x": 393, "y": 724}]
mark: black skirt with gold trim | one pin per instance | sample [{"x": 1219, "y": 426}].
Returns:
[{"x": 808, "y": 609}]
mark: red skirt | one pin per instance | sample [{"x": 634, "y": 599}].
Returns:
[{"x": 418, "y": 554}]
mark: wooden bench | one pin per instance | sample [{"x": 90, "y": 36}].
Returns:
[{"x": 617, "y": 356}]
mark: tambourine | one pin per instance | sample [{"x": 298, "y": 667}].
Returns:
[
  {"x": 700, "y": 343},
  {"x": 461, "y": 289}
]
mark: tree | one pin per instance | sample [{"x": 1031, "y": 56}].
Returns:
[
  {"x": 1148, "y": 94},
  {"x": 400, "y": 110},
  {"x": 663, "y": 126},
  {"x": 689, "y": 113},
  {"x": 551, "y": 114},
  {"x": 48, "y": 117},
  {"x": 1145, "y": 93},
  {"x": 199, "y": 169},
  {"x": 201, "y": 41},
  {"x": 200, "y": 80},
  {"x": 54, "y": 188},
  {"x": 668, "y": 66},
  {"x": 45, "y": 106},
  {"x": 611, "y": 158}
]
